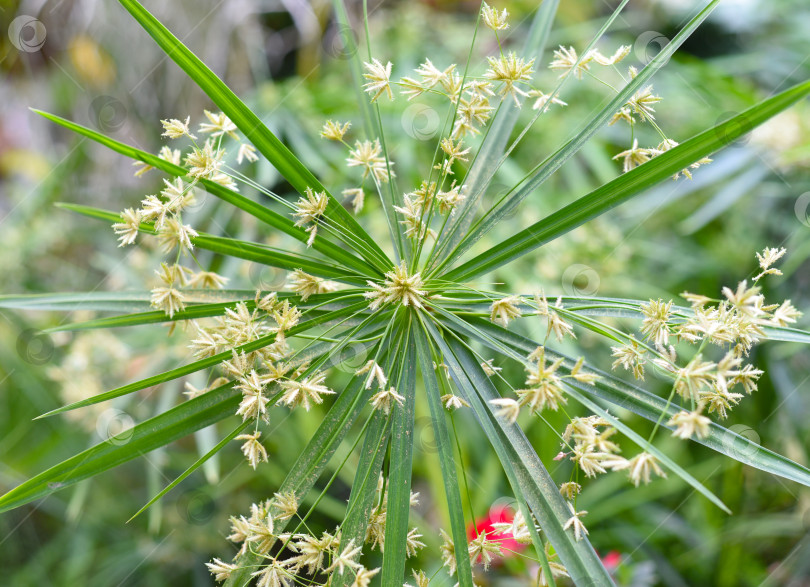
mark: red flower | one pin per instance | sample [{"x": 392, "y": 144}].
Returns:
[{"x": 498, "y": 514}]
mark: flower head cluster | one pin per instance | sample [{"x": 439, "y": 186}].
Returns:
[
  {"x": 292, "y": 558},
  {"x": 306, "y": 285},
  {"x": 162, "y": 213},
  {"x": 309, "y": 210},
  {"x": 590, "y": 445},
  {"x": 510, "y": 70},
  {"x": 566, "y": 60},
  {"x": 368, "y": 156},
  {"x": 544, "y": 386},
  {"x": 400, "y": 287},
  {"x": 734, "y": 323}
]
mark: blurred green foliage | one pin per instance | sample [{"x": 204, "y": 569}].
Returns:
[{"x": 96, "y": 67}]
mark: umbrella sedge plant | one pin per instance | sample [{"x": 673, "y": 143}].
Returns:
[{"x": 421, "y": 309}]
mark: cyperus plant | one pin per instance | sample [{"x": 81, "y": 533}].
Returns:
[{"x": 418, "y": 311}]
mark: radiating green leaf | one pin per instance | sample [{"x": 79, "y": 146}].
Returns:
[
  {"x": 266, "y": 215},
  {"x": 626, "y": 186},
  {"x": 196, "y": 465},
  {"x": 99, "y": 301},
  {"x": 167, "y": 427},
  {"x": 343, "y": 299},
  {"x": 364, "y": 489},
  {"x": 399, "y": 474},
  {"x": 447, "y": 461},
  {"x": 650, "y": 406},
  {"x": 205, "y": 363},
  {"x": 255, "y": 131}
]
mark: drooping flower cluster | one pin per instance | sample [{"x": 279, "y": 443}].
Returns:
[
  {"x": 641, "y": 104},
  {"x": 290, "y": 558},
  {"x": 734, "y": 324},
  {"x": 162, "y": 213}
]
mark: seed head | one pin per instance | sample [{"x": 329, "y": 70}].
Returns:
[
  {"x": 253, "y": 449},
  {"x": 504, "y": 310},
  {"x": 203, "y": 163},
  {"x": 511, "y": 70},
  {"x": 399, "y": 287},
  {"x": 174, "y": 128},
  {"x": 493, "y": 19},
  {"x": 688, "y": 424},
  {"x": 218, "y": 124},
  {"x": 368, "y": 156},
  {"x": 127, "y": 229},
  {"x": 379, "y": 79},
  {"x": 334, "y": 131}
]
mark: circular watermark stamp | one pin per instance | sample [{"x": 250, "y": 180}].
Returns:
[
  {"x": 35, "y": 347},
  {"x": 736, "y": 132},
  {"x": 266, "y": 278},
  {"x": 197, "y": 202},
  {"x": 421, "y": 122},
  {"x": 196, "y": 507},
  {"x": 802, "y": 208},
  {"x": 741, "y": 441},
  {"x": 27, "y": 34},
  {"x": 580, "y": 280},
  {"x": 115, "y": 426},
  {"x": 425, "y": 434},
  {"x": 648, "y": 45},
  {"x": 351, "y": 357},
  {"x": 107, "y": 114},
  {"x": 340, "y": 42},
  {"x": 492, "y": 195},
  {"x": 504, "y": 509}
]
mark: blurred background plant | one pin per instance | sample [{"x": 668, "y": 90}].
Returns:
[{"x": 85, "y": 61}]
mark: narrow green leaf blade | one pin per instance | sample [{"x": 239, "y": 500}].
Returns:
[
  {"x": 195, "y": 312},
  {"x": 626, "y": 186},
  {"x": 167, "y": 427},
  {"x": 447, "y": 461},
  {"x": 266, "y": 215},
  {"x": 253, "y": 128},
  {"x": 196, "y": 465},
  {"x": 99, "y": 301},
  {"x": 399, "y": 475},
  {"x": 364, "y": 489}
]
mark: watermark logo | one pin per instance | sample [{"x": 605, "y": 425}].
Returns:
[
  {"x": 648, "y": 45},
  {"x": 27, "y": 34},
  {"x": 420, "y": 122},
  {"x": 34, "y": 347},
  {"x": 580, "y": 280},
  {"x": 115, "y": 426},
  {"x": 108, "y": 114}
]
